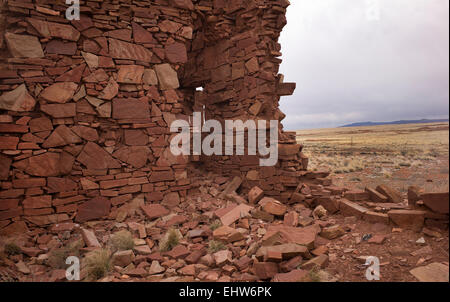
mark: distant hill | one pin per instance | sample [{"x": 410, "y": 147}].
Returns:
[{"x": 366, "y": 124}]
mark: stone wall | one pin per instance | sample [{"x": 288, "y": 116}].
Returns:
[{"x": 85, "y": 106}]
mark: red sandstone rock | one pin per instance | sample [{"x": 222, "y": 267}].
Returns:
[
  {"x": 96, "y": 208},
  {"x": 255, "y": 195},
  {"x": 437, "y": 202},
  {"x": 153, "y": 211},
  {"x": 407, "y": 218},
  {"x": 17, "y": 100},
  {"x": 24, "y": 46},
  {"x": 265, "y": 270},
  {"x": 392, "y": 194},
  {"x": 124, "y": 50},
  {"x": 95, "y": 157},
  {"x": 59, "y": 92}
]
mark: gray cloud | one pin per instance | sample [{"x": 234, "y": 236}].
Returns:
[{"x": 350, "y": 67}]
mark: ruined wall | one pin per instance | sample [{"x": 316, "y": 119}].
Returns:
[{"x": 85, "y": 105}]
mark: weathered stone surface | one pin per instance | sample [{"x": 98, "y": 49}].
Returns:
[
  {"x": 59, "y": 110},
  {"x": 287, "y": 251},
  {"x": 24, "y": 46},
  {"x": 176, "y": 53},
  {"x": 96, "y": 208},
  {"x": 376, "y": 196},
  {"x": 130, "y": 74},
  {"x": 296, "y": 275},
  {"x": 375, "y": 217},
  {"x": 56, "y": 30},
  {"x": 60, "y": 92},
  {"x": 319, "y": 261},
  {"x": 137, "y": 156},
  {"x": 124, "y": 50},
  {"x": 437, "y": 202},
  {"x": 123, "y": 258},
  {"x": 348, "y": 208},
  {"x": 17, "y": 100},
  {"x": 227, "y": 234},
  {"x": 356, "y": 195},
  {"x": 61, "y": 47},
  {"x": 141, "y": 35},
  {"x": 167, "y": 76},
  {"x": 95, "y": 157},
  {"x": 8, "y": 142},
  {"x": 56, "y": 185},
  {"x": 235, "y": 214},
  {"x": 255, "y": 195},
  {"x": 135, "y": 138},
  {"x": 47, "y": 164},
  {"x": 153, "y": 211},
  {"x": 111, "y": 90},
  {"x": 332, "y": 232},
  {"x": 186, "y": 4},
  {"x": 171, "y": 200},
  {"x": 283, "y": 234},
  {"x": 87, "y": 133},
  {"x": 130, "y": 109},
  {"x": 40, "y": 124},
  {"x": 60, "y": 137},
  {"x": 89, "y": 238},
  {"x": 265, "y": 270},
  {"x": 150, "y": 78},
  {"x": 392, "y": 194},
  {"x": 37, "y": 202},
  {"x": 433, "y": 272},
  {"x": 273, "y": 206}
]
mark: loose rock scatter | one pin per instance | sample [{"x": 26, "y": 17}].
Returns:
[{"x": 86, "y": 168}]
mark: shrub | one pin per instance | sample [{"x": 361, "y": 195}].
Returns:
[
  {"x": 12, "y": 249},
  {"x": 169, "y": 241},
  {"x": 215, "y": 246},
  {"x": 98, "y": 263},
  {"x": 57, "y": 258}
]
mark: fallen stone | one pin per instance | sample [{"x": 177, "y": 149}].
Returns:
[
  {"x": 376, "y": 196},
  {"x": 273, "y": 206},
  {"x": 265, "y": 270},
  {"x": 96, "y": 208},
  {"x": 227, "y": 234},
  {"x": 407, "y": 218},
  {"x": 437, "y": 202},
  {"x": 123, "y": 258},
  {"x": 392, "y": 194},
  {"x": 296, "y": 275},
  {"x": 153, "y": 211},
  {"x": 319, "y": 261},
  {"x": 332, "y": 232},
  {"x": 255, "y": 195},
  {"x": 90, "y": 239}
]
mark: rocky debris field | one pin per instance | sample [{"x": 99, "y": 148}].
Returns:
[{"x": 215, "y": 234}]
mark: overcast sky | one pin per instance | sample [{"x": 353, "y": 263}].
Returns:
[{"x": 353, "y": 62}]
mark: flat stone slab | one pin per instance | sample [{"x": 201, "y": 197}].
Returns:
[{"x": 433, "y": 272}]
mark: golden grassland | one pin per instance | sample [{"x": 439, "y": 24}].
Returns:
[{"x": 347, "y": 150}]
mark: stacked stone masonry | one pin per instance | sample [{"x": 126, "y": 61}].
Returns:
[{"x": 85, "y": 106}]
